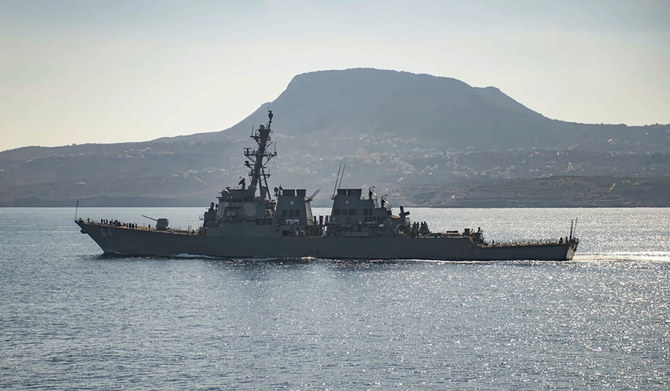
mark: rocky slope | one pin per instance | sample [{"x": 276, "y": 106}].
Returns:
[{"x": 410, "y": 135}]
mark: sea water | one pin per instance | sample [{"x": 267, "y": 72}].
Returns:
[{"x": 71, "y": 318}]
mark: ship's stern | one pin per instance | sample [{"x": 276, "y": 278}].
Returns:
[{"x": 572, "y": 248}]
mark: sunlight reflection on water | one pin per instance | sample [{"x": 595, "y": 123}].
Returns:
[{"x": 72, "y": 318}]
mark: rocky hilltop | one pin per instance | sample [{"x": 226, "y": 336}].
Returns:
[{"x": 425, "y": 140}]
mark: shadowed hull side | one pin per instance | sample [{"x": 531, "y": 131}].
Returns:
[{"x": 142, "y": 242}]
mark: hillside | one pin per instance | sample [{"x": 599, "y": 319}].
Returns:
[{"x": 407, "y": 134}]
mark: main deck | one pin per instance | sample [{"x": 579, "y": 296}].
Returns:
[{"x": 143, "y": 241}]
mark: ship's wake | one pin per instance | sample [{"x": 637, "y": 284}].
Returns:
[{"x": 643, "y": 256}]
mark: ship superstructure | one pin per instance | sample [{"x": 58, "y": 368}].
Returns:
[{"x": 252, "y": 221}]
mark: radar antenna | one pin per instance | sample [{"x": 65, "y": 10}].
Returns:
[{"x": 259, "y": 158}]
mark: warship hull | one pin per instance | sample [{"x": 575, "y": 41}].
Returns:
[
  {"x": 145, "y": 242},
  {"x": 248, "y": 222}
]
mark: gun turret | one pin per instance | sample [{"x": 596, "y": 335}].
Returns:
[{"x": 161, "y": 223}]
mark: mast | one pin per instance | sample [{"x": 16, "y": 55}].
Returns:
[{"x": 258, "y": 159}]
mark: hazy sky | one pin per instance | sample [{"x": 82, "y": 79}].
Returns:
[{"x": 112, "y": 71}]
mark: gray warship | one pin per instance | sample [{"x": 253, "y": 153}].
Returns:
[{"x": 250, "y": 221}]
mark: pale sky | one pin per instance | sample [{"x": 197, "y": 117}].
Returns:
[{"x": 114, "y": 71}]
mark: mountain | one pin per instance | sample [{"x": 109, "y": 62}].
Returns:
[
  {"x": 437, "y": 109},
  {"x": 408, "y": 134}
]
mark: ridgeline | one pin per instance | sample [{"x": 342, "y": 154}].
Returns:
[{"x": 424, "y": 140}]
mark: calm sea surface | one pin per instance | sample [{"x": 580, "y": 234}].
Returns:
[{"x": 72, "y": 319}]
